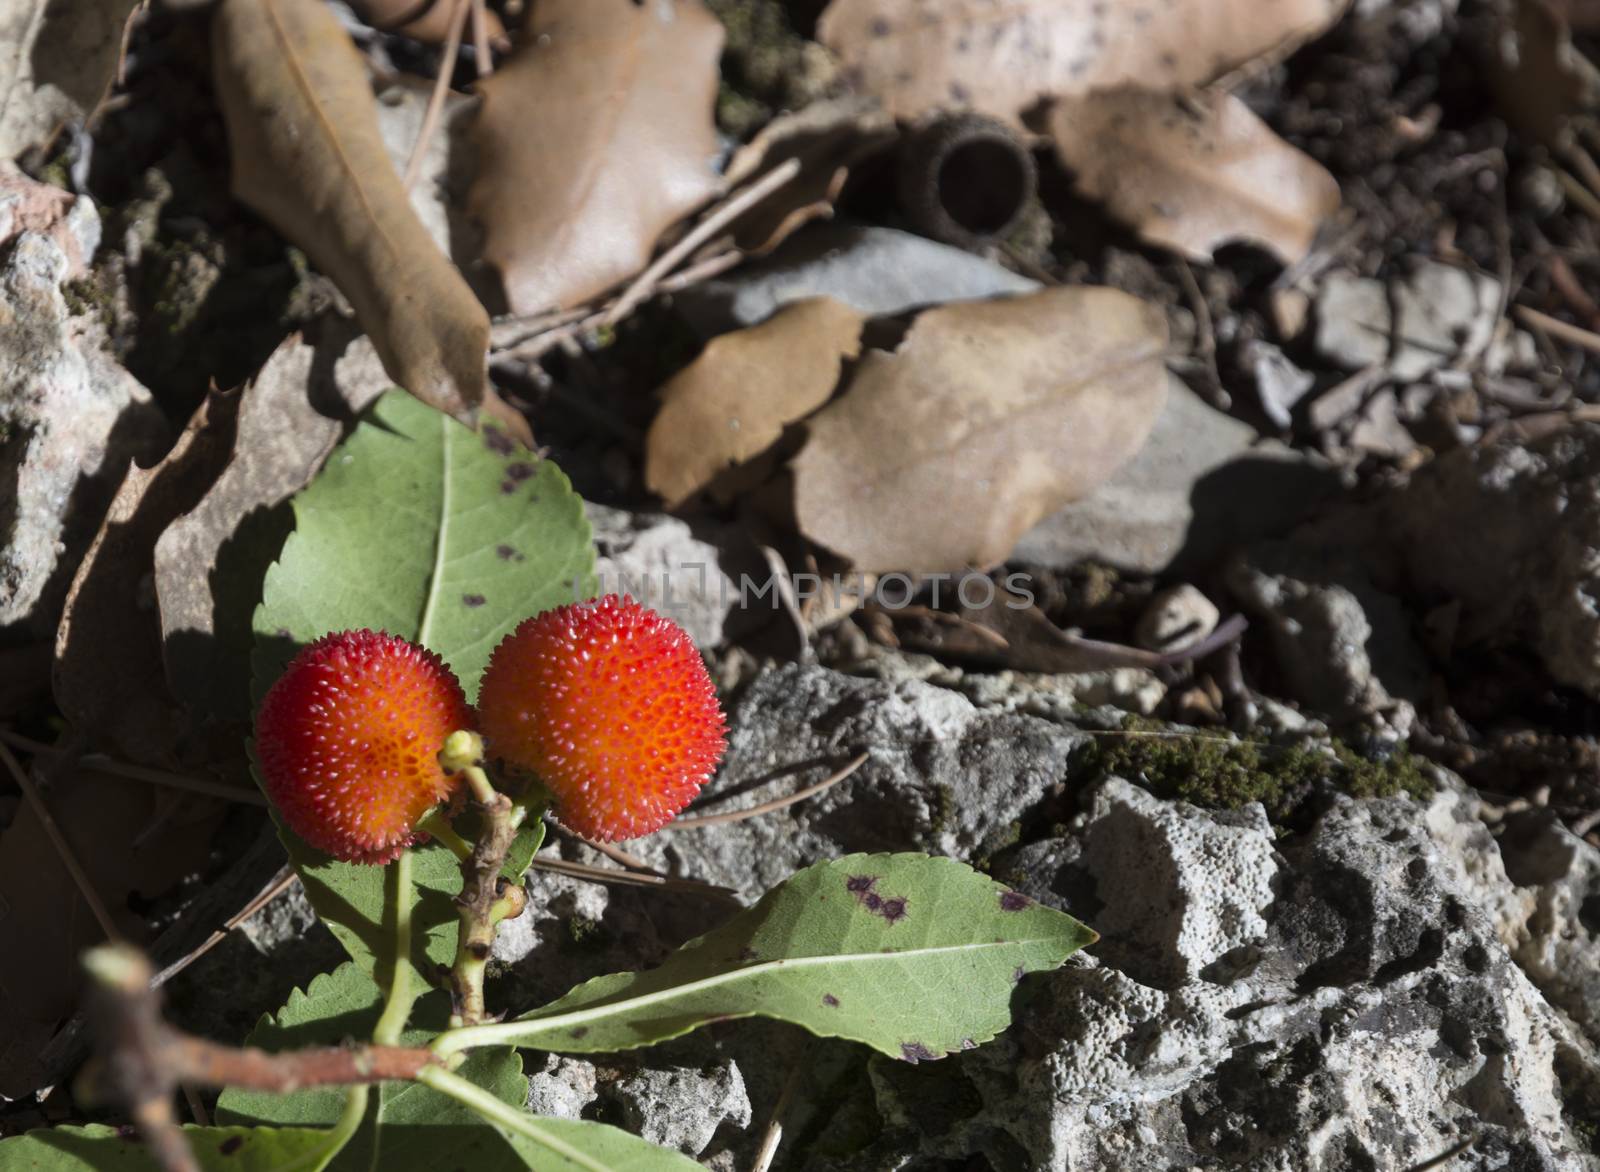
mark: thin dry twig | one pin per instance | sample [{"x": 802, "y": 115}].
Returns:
[
  {"x": 441, "y": 86},
  {"x": 100, "y": 763},
  {"x": 480, "y": 39},
  {"x": 1556, "y": 328},
  {"x": 731, "y": 209},
  {"x": 631, "y": 878},
  {"x": 773, "y": 1136},
  {"x": 80, "y": 877},
  {"x": 614, "y": 853},
  {"x": 776, "y": 804},
  {"x": 281, "y": 882},
  {"x": 1206, "y": 334}
]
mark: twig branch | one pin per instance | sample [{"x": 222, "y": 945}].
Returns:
[
  {"x": 644, "y": 284},
  {"x": 69, "y": 859},
  {"x": 441, "y": 86},
  {"x": 769, "y": 807},
  {"x": 143, "y": 1059},
  {"x": 100, "y": 763}
]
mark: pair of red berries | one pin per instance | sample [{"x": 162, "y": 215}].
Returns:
[{"x": 606, "y": 702}]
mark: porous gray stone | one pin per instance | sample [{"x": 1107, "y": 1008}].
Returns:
[
  {"x": 1344, "y": 646},
  {"x": 71, "y": 421},
  {"x": 682, "y": 1107},
  {"x": 941, "y": 775},
  {"x": 1175, "y": 619},
  {"x": 1358, "y": 1009},
  {"x": 1510, "y": 530}
]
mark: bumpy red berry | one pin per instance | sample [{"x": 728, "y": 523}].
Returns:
[
  {"x": 348, "y": 740},
  {"x": 610, "y": 705}
]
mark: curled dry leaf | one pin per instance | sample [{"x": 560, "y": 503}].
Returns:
[
  {"x": 108, "y": 676},
  {"x": 427, "y": 21},
  {"x": 307, "y": 155},
  {"x": 594, "y": 137},
  {"x": 733, "y": 402},
  {"x": 1193, "y": 174},
  {"x": 1002, "y": 56},
  {"x": 209, "y": 563},
  {"x": 988, "y": 417}
]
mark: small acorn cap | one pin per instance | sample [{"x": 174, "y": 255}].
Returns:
[
  {"x": 348, "y": 742},
  {"x": 611, "y": 706}
]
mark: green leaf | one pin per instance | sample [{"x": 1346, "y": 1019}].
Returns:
[
  {"x": 530, "y": 837},
  {"x": 912, "y": 955},
  {"x": 576, "y": 1145},
  {"x": 409, "y": 1126},
  {"x": 430, "y": 531},
  {"x": 350, "y": 899},
  {"x": 440, "y": 535},
  {"x": 219, "y": 1149}
]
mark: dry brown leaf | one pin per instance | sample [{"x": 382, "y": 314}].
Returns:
[
  {"x": 209, "y": 562},
  {"x": 988, "y": 417},
  {"x": 1540, "y": 79},
  {"x": 1193, "y": 174},
  {"x": 59, "y": 62},
  {"x": 129, "y": 838},
  {"x": 427, "y": 21},
  {"x": 594, "y": 137},
  {"x": 1002, "y": 56},
  {"x": 109, "y": 678},
  {"x": 307, "y": 155},
  {"x": 829, "y": 137},
  {"x": 733, "y": 402}
]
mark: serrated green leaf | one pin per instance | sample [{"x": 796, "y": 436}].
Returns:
[
  {"x": 430, "y": 531},
  {"x": 219, "y": 1149},
  {"x": 409, "y": 1126},
  {"x": 440, "y": 535},
  {"x": 914, "y": 956}
]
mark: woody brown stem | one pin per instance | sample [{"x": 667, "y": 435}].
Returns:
[
  {"x": 143, "y": 1059},
  {"x": 486, "y": 899}
]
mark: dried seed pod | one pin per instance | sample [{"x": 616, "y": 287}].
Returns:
[{"x": 965, "y": 179}]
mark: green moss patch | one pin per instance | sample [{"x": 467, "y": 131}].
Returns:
[{"x": 1220, "y": 772}]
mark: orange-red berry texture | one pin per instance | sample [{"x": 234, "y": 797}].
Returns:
[
  {"x": 348, "y": 740},
  {"x": 611, "y": 706}
]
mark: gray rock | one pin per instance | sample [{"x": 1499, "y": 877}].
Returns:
[
  {"x": 1353, "y": 1006},
  {"x": 941, "y": 775},
  {"x": 1510, "y": 530},
  {"x": 682, "y": 1107},
  {"x": 1280, "y": 384},
  {"x": 1201, "y": 484},
  {"x": 1438, "y": 312},
  {"x": 877, "y": 270},
  {"x": 71, "y": 420},
  {"x": 1180, "y": 889},
  {"x": 1353, "y": 320},
  {"x": 1556, "y": 933},
  {"x": 563, "y": 1088},
  {"x": 1344, "y": 646},
  {"x": 1176, "y": 618},
  {"x": 694, "y": 580}
]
